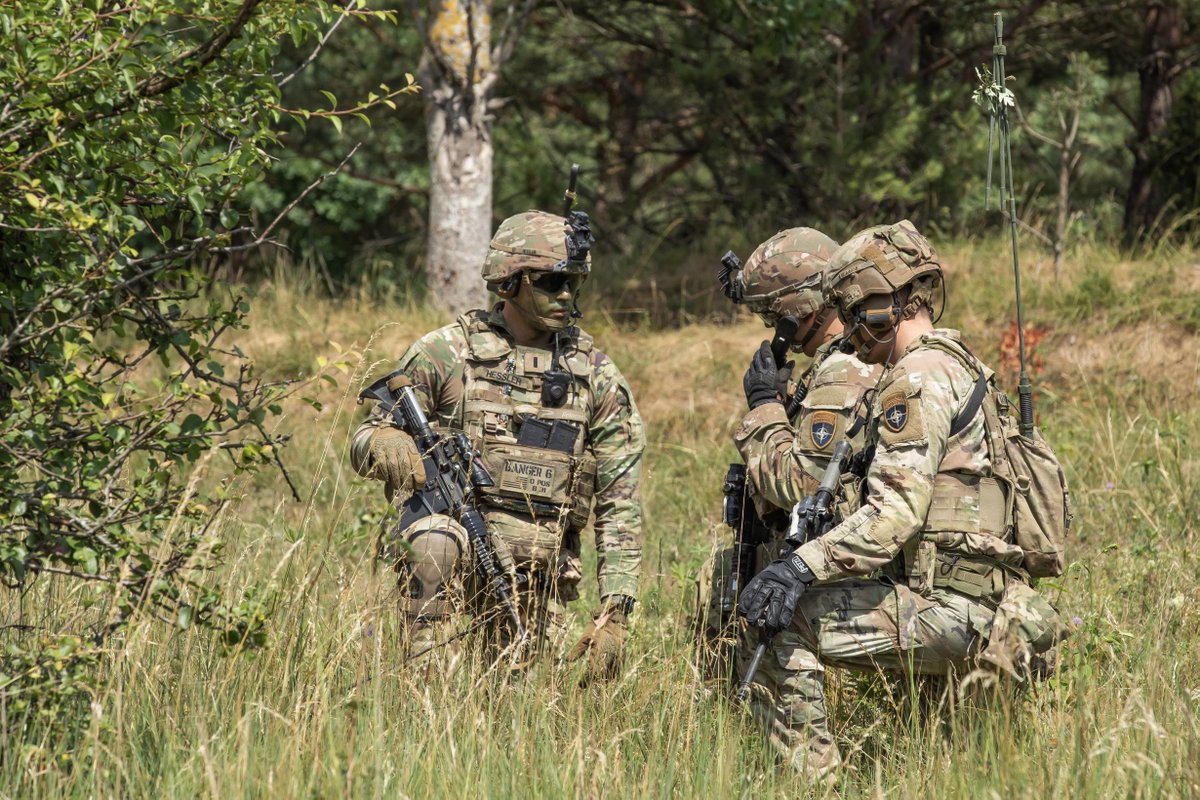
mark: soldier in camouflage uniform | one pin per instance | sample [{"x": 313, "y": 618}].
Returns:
[
  {"x": 559, "y": 431},
  {"x": 912, "y": 580},
  {"x": 785, "y": 457}
]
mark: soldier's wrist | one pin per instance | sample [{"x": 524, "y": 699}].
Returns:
[{"x": 798, "y": 567}]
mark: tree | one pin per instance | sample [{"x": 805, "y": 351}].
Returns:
[
  {"x": 1168, "y": 49},
  {"x": 128, "y": 132},
  {"x": 461, "y": 68}
]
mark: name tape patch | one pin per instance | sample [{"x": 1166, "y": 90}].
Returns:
[{"x": 527, "y": 478}]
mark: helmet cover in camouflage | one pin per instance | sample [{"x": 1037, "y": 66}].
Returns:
[
  {"x": 534, "y": 241},
  {"x": 783, "y": 276},
  {"x": 881, "y": 260}
]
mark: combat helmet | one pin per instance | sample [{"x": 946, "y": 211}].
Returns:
[
  {"x": 881, "y": 261},
  {"x": 782, "y": 277},
  {"x": 534, "y": 241}
]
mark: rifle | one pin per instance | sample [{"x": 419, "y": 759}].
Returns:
[
  {"x": 749, "y": 531},
  {"x": 812, "y": 517},
  {"x": 455, "y": 475}
]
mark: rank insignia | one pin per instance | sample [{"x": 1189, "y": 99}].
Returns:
[
  {"x": 821, "y": 428},
  {"x": 895, "y": 411}
]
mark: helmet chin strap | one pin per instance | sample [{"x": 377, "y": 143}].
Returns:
[{"x": 818, "y": 323}]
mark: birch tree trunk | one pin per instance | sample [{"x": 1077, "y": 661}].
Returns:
[{"x": 461, "y": 68}]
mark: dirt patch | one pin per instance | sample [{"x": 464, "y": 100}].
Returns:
[{"x": 1159, "y": 353}]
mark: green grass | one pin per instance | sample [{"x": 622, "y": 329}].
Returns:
[{"x": 327, "y": 709}]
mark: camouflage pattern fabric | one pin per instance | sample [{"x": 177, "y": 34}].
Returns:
[
  {"x": 860, "y": 624},
  {"x": 915, "y": 455},
  {"x": 533, "y": 240},
  {"x": 931, "y": 526},
  {"x": 785, "y": 461},
  {"x": 600, "y": 400},
  {"x": 880, "y": 260},
  {"x": 465, "y": 596},
  {"x": 783, "y": 275}
]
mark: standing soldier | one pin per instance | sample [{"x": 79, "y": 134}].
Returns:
[
  {"x": 935, "y": 520},
  {"x": 558, "y": 429},
  {"x": 785, "y": 457}
]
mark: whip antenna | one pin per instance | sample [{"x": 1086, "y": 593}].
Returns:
[{"x": 994, "y": 92}]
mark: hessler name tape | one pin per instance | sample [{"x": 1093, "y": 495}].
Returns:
[{"x": 527, "y": 478}]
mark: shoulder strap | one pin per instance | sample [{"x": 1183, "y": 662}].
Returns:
[{"x": 963, "y": 418}]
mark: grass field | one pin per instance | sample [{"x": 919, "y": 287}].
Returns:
[{"x": 326, "y": 710}]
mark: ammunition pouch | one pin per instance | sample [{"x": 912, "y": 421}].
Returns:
[{"x": 980, "y": 579}]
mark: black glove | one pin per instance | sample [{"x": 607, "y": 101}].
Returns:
[
  {"x": 763, "y": 380},
  {"x": 769, "y": 599}
]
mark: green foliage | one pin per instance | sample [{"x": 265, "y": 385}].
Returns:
[
  {"x": 733, "y": 119},
  {"x": 126, "y": 136}
]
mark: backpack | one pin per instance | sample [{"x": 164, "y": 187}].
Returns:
[{"x": 1039, "y": 510}]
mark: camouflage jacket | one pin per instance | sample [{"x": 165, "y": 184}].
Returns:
[
  {"x": 785, "y": 461},
  {"x": 600, "y": 402},
  {"x": 926, "y": 491}
]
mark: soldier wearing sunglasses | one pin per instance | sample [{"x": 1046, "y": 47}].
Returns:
[{"x": 560, "y": 434}]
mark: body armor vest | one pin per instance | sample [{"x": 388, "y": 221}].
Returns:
[{"x": 537, "y": 455}]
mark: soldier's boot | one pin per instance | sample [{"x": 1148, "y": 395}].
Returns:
[{"x": 788, "y": 704}]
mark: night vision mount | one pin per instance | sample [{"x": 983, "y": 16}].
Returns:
[
  {"x": 579, "y": 237},
  {"x": 730, "y": 276}
]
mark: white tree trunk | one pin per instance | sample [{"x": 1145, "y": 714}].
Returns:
[
  {"x": 460, "y": 203},
  {"x": 461, "y": 76}
]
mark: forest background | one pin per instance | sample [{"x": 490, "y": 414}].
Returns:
[{"x": 215, "y": 227}]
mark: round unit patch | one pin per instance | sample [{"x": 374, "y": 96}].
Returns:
[
  {"x": 895, "y": 411},
  {"x": 821, "y": 428}
]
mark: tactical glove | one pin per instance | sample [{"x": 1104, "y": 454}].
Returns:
[
  {"x": 769, "y": 599},
  {"x": 764, "y": 383},
  {"x": 396, "y": 462},
  {"x": 603, "y": 641}
]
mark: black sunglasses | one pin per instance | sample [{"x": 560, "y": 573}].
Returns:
[{"x": 553, "y": 282}]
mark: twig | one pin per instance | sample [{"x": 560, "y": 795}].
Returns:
[
  {"x": 320, "y": 45},
  {"x": 262, "y": 237}
]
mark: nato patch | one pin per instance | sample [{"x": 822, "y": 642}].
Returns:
[
  {"x": 821, "y": 428},
  {"x": 895, "y": 411}
]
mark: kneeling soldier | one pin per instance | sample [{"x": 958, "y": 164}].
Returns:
[
  {"x": 559, "y": 432},
  {"x": 935, "y": 527},
  {"x": 786, "y": 454}
]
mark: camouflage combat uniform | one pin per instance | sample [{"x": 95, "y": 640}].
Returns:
[
  {"x": 784, "y": 463},
  {"x": 471, "y": 376},
  {"x": 932, "y": 524}
]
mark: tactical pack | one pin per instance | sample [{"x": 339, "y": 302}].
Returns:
[{"x": 1037, "y": 503}]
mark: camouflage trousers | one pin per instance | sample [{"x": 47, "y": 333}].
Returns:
[
  {"x": 867, "y": 625},
  {"x": 442, "y": 597}
]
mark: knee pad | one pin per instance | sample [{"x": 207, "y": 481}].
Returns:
[{"x": 430, "y": 569}]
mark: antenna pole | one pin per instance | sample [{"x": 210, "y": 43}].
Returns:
[{"x": 999, "y": 120}]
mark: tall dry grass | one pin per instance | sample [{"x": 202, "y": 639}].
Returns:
[{"x": 328, "y": 709}]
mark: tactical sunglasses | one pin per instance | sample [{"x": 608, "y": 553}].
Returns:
[{"x": 553, "y": 282}]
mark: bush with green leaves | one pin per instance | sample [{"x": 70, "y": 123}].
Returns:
[{"x": 127, "y": 132}]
